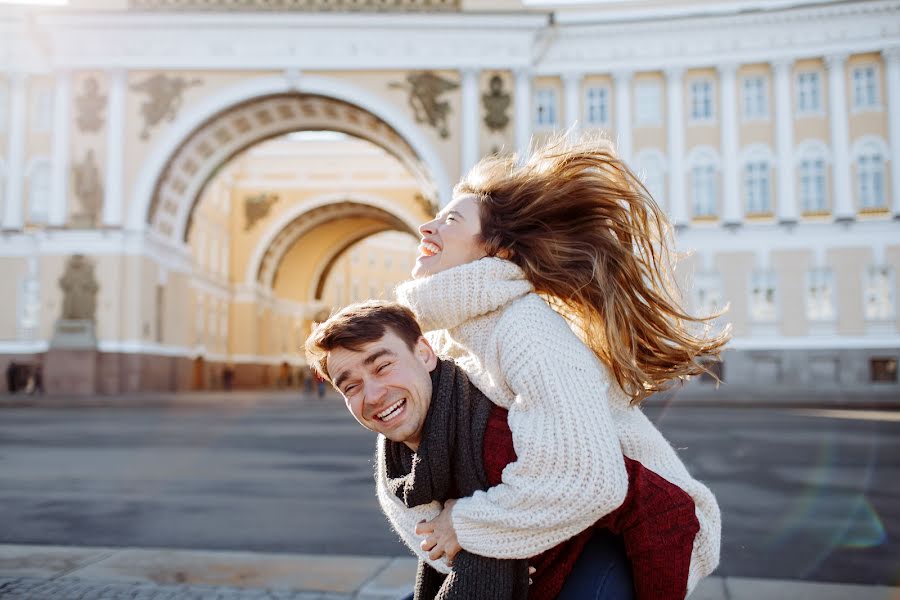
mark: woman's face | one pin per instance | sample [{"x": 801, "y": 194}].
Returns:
[{"x": 451, "y": 239}]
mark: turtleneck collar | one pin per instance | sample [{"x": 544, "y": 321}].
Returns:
[{"x": 452, "y": 297}]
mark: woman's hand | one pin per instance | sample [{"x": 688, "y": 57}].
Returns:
[{"x": 440, "y": 537}]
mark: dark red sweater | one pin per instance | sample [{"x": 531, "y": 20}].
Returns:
[{"x": 657, "y": 522}]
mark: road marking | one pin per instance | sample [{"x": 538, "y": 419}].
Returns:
[{"x": 859, "y": 415}]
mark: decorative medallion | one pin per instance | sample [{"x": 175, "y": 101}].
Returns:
[
  {"x": 90, "y": 105},
  {"x": 257, "y": 207},
  {"x": 424, "y": 89},
  {"x": 79, "y": 289},
  {"x": 88, "y": 189},
  {"x": 164, "y": 99},
  {"x": 496, "y": 102}
]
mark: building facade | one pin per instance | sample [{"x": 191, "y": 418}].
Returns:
[{"x": 164, "y": 142}]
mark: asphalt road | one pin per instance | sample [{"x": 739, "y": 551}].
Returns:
[{"x": 804, "y": 494}]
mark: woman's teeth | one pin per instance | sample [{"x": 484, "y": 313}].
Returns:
[
  {"x": 428, "y": 249},
  {"x": 392, "y": 411}
]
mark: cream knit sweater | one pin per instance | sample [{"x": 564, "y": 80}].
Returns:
[{"x": 570, "y": 421}]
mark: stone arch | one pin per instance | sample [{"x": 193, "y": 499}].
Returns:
[{"x": 215, "y": 130}]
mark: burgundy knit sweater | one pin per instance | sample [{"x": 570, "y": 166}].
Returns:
[{"x": 657, "y": 522}]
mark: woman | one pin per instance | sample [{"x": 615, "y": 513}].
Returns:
[{"x": 550, "y": 284}]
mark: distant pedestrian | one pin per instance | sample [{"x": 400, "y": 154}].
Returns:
[
  {"x": 38, "y": 379},
  {"x": 320, "y": 385},
  {"x": 227, "y": 377},
  {"x": 11, "y": 371}
]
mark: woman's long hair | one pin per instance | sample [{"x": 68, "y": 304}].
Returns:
[{"x": 595, "y": 244}]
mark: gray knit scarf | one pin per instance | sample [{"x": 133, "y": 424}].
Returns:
[{"x": 449, "y": 465}]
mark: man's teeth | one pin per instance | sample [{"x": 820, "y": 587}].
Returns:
[
  {"x": 392, "y": 411},
  {"x": 429, "y": 249}
]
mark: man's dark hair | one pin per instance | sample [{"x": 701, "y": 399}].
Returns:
[{"x": 359, "y": 324}]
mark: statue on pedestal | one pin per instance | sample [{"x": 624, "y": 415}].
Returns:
[{"x": 79, "y": 290}]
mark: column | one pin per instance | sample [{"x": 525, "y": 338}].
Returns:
[
  {"x": 784, "y": 141},
  {"x": 892, "y": 99},
  {"x": 732, "y": 213},
  {"x": 113, "y": 201},
  {"x": 840, "y": 139},
  {"x": 622, "y": 82},
  {"x": 15, "y": 165},
  {"x": 572, "y": 91},
  {"x": 523, "y": 111},
  {"x": 59, "y": 178},
  {"x": 675, "y": 118}
]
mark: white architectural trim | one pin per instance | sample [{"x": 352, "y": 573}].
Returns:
[
  {"x": 703, "y": 155},
  {"x": 202, "y": 111},
  {"x": 572, "y": 98},
  {"x": 860, "y": 144},
  {"x": 14, "y": 201},
  {"x": 297, "y": 210},
  {"x": 34, "y": 162},
  {"x": 754, "y": 152},
  {"x": 57, "y": 213},
  {"x": 471, "y": 113},
  {"x": 811, "y": 148},
  {"x": 732, "y": 211},
  {"x": 114, "y": 192},
  {"x": 675, "y": 144},
  {"x": 816, "y": 342},
  {"x": 842, "y": 189},
  {"x": 655, "y": 153},
  {"x": 523, "y": 101},
  {"x": 891, "y": 57},
  {"x": 622, "y": 113}
]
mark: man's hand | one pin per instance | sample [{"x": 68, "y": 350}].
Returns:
[{"x": 440, "y": 537}]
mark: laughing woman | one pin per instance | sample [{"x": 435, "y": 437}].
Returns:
[{"x": 550, "y": 284}]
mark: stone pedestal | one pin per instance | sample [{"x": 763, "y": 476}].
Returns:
[{"x": 71, "y": 364}]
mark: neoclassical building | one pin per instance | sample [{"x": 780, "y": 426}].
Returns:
[{"x": 187, "y": 185}]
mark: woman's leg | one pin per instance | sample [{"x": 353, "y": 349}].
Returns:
[{"x": 602, "y": 571}]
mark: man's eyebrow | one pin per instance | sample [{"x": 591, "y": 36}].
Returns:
[{"x": 368, "y": 361}]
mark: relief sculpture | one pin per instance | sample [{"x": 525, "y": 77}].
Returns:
[
  {"x": 79, "y": 289},
  {"x": 425, "y": 89},
  {"x": 88, "y": 189},
  {"x": 496, "y": 104},
  {"x": 90, "y": 105},
  {"x": 257, "y": 207},
  {"x": 164, "y": 99}
]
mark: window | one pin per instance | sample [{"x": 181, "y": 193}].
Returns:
[
  {"x": 649, "y": 102},
  {"x": 701, "y": 100},
  {"x": 651, "y": 170},
  {"x": 757, "y": 187},
  {"x": 547, "y": 109},
  {"x": 39, "y": 193},
  {"x": 42, "y": 110},
  {"x": 762, "y": 296},
  {"x": 597, "y": 106},
  {"x": 707, "y": 291},
  {"x": 820, "y": 295},
  {"x": 755, "y": 100},
  {"x": 809, "y": 93},
  {"x": 812, "y": 185},
  {"x": 870, "y": 178},
  {"x": 879, "y": 291},
  {"x": 865, "y": 87},
  {"x": 703, "y": 186},
  {"x": 883, "y": 370}
]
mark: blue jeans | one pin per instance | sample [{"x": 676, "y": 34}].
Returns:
[{"x": 602, "y": 572}]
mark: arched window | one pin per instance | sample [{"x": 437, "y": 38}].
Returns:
[
  {"x": 39, "y": 192},
  {"x": 812, "y": 164},
  {"x": 870, "y": 177},
  {"x": 757, "y": 180},
  {"x": 652, "y": 170},
  {"x": 704, "y": 167}
]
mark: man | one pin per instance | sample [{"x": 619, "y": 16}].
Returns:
[{"x": 392, "y": 382}]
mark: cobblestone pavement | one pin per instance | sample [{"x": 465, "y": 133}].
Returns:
[{"x": 71, "y": 588}]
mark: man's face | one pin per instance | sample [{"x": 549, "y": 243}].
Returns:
[{"x": 386, "y": 386}]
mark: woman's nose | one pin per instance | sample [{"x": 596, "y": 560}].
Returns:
[{"x": 427, "y": 228}]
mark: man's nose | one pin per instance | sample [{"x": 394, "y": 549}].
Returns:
[{"x": 375, "y": 392}]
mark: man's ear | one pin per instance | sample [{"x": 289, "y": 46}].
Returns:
[{"x": 426, "y": 353}]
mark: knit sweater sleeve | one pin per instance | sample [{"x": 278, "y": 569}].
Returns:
[
  {"x": 403, "y": 519},
  {"x": 570, "y": 470}
]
